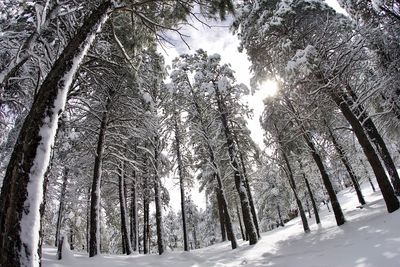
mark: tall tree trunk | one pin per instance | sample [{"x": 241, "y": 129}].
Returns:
[
  {"x": 239, "y": 183},
  {"x": 94, "y": 240},
  {"x": 292, "y": 184},
  {"x": 248, "y": 190},
  {"x": 392, "y": 203},
  {"x": 88, "y": 219},
  {"x": 375, "y": 138},
  {"x": 227, "y": 219},
  {"x": 337, "y": 210},
  {"x": 346, "y": 163},
  {"x": 134, "y": 214},
  {"x": 127, "y": 248},
  {"x": 221, "y": 214},
  {"x": 22, "y": 189},
  {"x": 310, "y": 193},
  {"x": 242, "y": 231},
  {"x": 145, "y": 215},
  {"x": 61, "y": 206},
  {"x": 280, "y": 215},
  {"x": 157, "y": 200},
  {"x": 181, "y": 180}
]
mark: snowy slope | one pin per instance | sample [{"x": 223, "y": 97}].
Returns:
[{"x": 371, "y": 237}]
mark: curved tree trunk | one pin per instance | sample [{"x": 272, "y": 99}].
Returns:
[{"x": 22, "y": 188}]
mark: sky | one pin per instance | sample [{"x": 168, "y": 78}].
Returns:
[{"x": 218, "y": 39}]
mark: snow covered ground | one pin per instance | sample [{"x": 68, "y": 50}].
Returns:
[{"x": 371, "y": 237}]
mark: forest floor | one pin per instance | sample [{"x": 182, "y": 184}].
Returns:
[{"x": 370, "y": 237}]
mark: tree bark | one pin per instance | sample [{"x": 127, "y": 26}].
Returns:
[
  {"x": 157, "y": 198},
  {"x": 61, "y": 206},
  {"x": 375, "y": 137},
  {"x": 94, "y": 239},
  {"x": 221, "y": 214},
  {"x": 280, "y": 216},
  {"x": 126, "y": 244},
  {"x": 346, "y": 163},
  {"x": 25, "y": 172},
  {"x": 392, "y": 203},
  {"x": 227, "y": 219},
  {"x": 310, "y": 193},
  {"x": 239, "y": 183},
  {"x": 337, "y": 210},
  {"x": 181, "y": 181},
  {"x": 242, "y": 231},
  {"x": 248, "y": 190},
  {"x": 134, "y": 215},
  {"x": 292, "y": 184}
]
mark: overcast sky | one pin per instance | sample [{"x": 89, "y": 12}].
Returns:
[{"x": 218, "y": 39}]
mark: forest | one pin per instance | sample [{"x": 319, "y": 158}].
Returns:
[{"x": 95, "y": 124}]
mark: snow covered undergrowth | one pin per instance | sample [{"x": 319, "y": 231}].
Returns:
[{"x": 370, "y": 237}]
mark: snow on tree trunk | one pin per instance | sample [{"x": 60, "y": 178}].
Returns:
[
  {"x": 292, "y": 184},
  {"x": 239, "y": 183},
  {"x": 310, "y": 193},
  {"x": 157, "y": 200},
  {"x": 392, "y": 203},
  {"x": 61, "y": 206},
  {"x": 22, "y": 190},
  {"x": 94, "y": 231},
  {"x": 376, "y": 138},
  {"x": 181, "y": 181},
  {"x": 347, "y": 165},
  {"x": 127, "y": 248},
  {"x": 134, "y": 215}
]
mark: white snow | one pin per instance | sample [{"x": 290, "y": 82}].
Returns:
[
  {"x": 30, "y": 221},
  {"x": 369, "y": 238}
]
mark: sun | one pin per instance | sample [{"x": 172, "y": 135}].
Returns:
[{"x": 267, "y": 88}]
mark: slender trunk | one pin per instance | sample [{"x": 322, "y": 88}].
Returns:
[
  {"x": 30, "y": 158},
  {"x": 347, "y": 165},
  {"x": 71, "y": 238},
  {"x": 240, "y": 223},
  {"x": 227, "y": 219},
  {"x": 145, "y": 215},
  {"x": 88, "y": 220},
  {"x": 314, "y": 204},
  {"x": 248, "y": 190},
  {"x": 181, "y": 181},
  {"x": 126, "y": 244},
  {"x": 221, "y": 214},
  {"x": 239, "y": 183},
  {"x": 292, "y": 184},
  {"x": 375, "y": 138},
  {"x": 280, "y": 216},
  {"x": 308, "y": 207},
  {"x": 134, "y": 215},
  {"x": 392, "y": 203},
  {"x": 157, "y": 200},
  {"x": 61, "y": 206},
  {"x": 337, "y": 210},
  {"x": 94, "y": 240}
]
